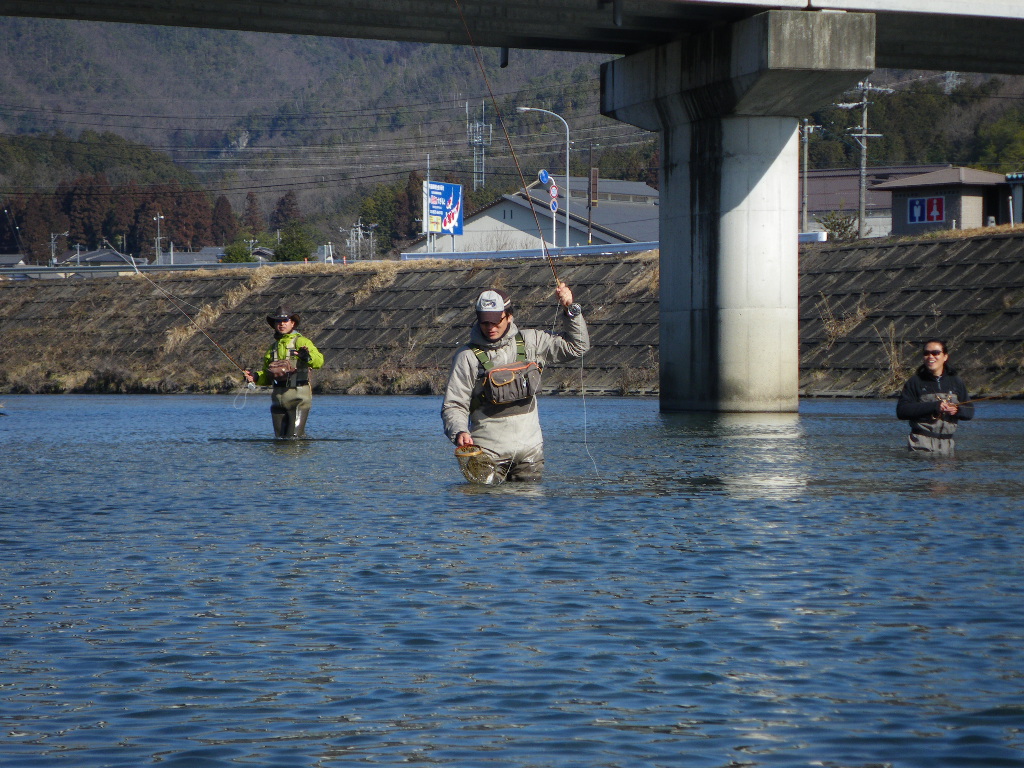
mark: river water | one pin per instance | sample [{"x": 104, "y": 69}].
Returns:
[{"x": 177, "y": 589}]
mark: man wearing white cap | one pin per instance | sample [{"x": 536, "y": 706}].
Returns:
[{"x": 477, "y": 411}]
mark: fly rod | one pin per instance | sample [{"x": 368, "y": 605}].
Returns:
[{"x": 173, "y": 299}]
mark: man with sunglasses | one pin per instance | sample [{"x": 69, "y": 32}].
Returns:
[{"x": 933, "y": 400}]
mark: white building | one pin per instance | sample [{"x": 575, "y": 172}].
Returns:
[{"x": 626, "y": 212}]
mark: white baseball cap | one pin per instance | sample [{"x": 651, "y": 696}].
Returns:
[{"x": 492, "y": 305}]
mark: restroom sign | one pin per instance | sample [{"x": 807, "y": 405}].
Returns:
[{"x": 926, "y": 210}]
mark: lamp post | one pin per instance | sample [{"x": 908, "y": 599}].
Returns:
[
  {"x": 158, "y": 218},
  {"x": 549, "y": 112}
]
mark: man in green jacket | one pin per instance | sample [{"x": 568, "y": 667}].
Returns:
[{"x": 286, "y": 366}]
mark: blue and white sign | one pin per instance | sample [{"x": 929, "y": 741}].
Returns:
[
  {"x": 554, "y": 204},
  {"x": 544, "y": 176},
  {"x": 926, "y": 210},
  {"x": 443, "y": 207}
]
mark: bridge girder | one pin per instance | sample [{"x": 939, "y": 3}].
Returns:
[{"x": 985, "y": 38}]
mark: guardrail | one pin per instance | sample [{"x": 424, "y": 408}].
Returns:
[
  {"x": 582, "y": 250},
  {"x": 94, "y": 270}
]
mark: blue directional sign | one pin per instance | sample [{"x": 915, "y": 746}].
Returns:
[{"x": 544, "y": 176}]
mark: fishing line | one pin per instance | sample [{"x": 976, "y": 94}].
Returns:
[
  {"x": 174, "y": 300},
  {"x": 508, "y": 140},
  {"x": 586, "y": 445},
  {"x": 529, "y": 198}
]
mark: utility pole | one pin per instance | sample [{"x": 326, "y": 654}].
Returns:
[
  {"x": 591, "y": 195},
  {"x": 861, "y": 137},
  {"x": 53, "y": 246},
  {"x": 158, "y": 218},
  {"x": 358, "y": 234},
  {"x": 806, "y": 132}
]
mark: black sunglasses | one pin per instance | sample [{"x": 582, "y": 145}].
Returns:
[{"x": 933, "y": 352}]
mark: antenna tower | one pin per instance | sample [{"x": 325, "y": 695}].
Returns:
[{"x": 479, "y": 134}]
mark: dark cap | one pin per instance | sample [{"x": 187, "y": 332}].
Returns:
[
  {"x": 492, "y": 305},
  {"x": 282, "y": 313}
]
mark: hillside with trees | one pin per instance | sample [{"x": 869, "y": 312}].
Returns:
[{"x": 217, "y": 129}]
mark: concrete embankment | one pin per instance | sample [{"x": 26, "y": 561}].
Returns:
[
  {"x": 391, "y": 327},
  {"x": 866, "y": 308},
  {"x": 384, "y": 327}
]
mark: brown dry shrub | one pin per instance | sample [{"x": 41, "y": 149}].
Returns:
[
  {"x": 383, "y": 276},
  {"x": 837, "y": 327},
  {"x": 647, "y": 282}
]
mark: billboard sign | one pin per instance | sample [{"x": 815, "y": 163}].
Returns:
[{"x": 442, "y": 207}]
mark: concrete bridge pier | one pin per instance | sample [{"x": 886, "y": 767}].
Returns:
[{"x": 727, "y": 106}]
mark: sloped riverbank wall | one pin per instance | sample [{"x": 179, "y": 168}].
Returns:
[
  {"x": 384, "y": 327},
  {"x": 391, "y": 327}
]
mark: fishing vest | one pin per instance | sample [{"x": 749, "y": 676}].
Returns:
[
  {"x": 289, "y": 371},
  {"x": 506, "y": 390}
]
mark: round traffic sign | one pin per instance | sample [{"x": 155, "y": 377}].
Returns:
[
  {"x": 543, "y": 176},
  {"x": 554, "y": 204},
  {"x": 553, "y": 191}
]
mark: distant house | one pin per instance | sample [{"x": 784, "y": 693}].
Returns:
[
  {"x": 952, "y": 198},
  {"x": 11, "y": 260},
  {"x": 626, "y": 212},
  {"x": 101, "y": 257},
  {"x": 209, "y": 255}
]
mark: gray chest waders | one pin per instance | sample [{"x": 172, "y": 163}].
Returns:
[{"x": 291, "y": 400}]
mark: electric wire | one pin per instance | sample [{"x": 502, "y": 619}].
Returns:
[{"x": 174, "y": 300}]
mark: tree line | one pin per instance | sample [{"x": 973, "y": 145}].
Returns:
[{"x": 91, "y": 212}]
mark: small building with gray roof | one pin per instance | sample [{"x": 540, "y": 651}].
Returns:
[{"x": 951, "y": 198}]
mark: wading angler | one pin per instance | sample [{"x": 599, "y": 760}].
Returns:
[{"x": 286, "y": 366}]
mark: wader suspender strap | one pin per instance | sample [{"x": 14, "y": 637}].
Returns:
[{"x": 485, "y": 361}]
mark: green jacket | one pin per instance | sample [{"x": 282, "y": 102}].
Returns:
[{"x": 285, "y": 347}]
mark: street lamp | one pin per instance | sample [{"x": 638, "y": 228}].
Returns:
[
  {"x": 549, "y": 112},
  {"x": 158, "y": 218}
]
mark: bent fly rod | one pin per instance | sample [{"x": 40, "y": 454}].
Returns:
[{"x": 508, "y": 140}]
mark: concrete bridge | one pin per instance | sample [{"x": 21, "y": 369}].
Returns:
[{"x": 724, "y": 82}]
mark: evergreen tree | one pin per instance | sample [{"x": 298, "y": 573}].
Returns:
[
  {"x": 121, "y": 216},
  {"x": 87, "y": 211},
  {"x": 252, "y": 218},
  {"x": 297, "y": 243},
  {"x": 38, "y": 221},
  {"x": 192, "y": 216},
  {"x": 224, "y": 225},
  {"x": 240, "y": 251},
  {"x": 286, "y": 211}
]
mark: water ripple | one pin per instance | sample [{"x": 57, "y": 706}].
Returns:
[{"x": 723, "y": 591}]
